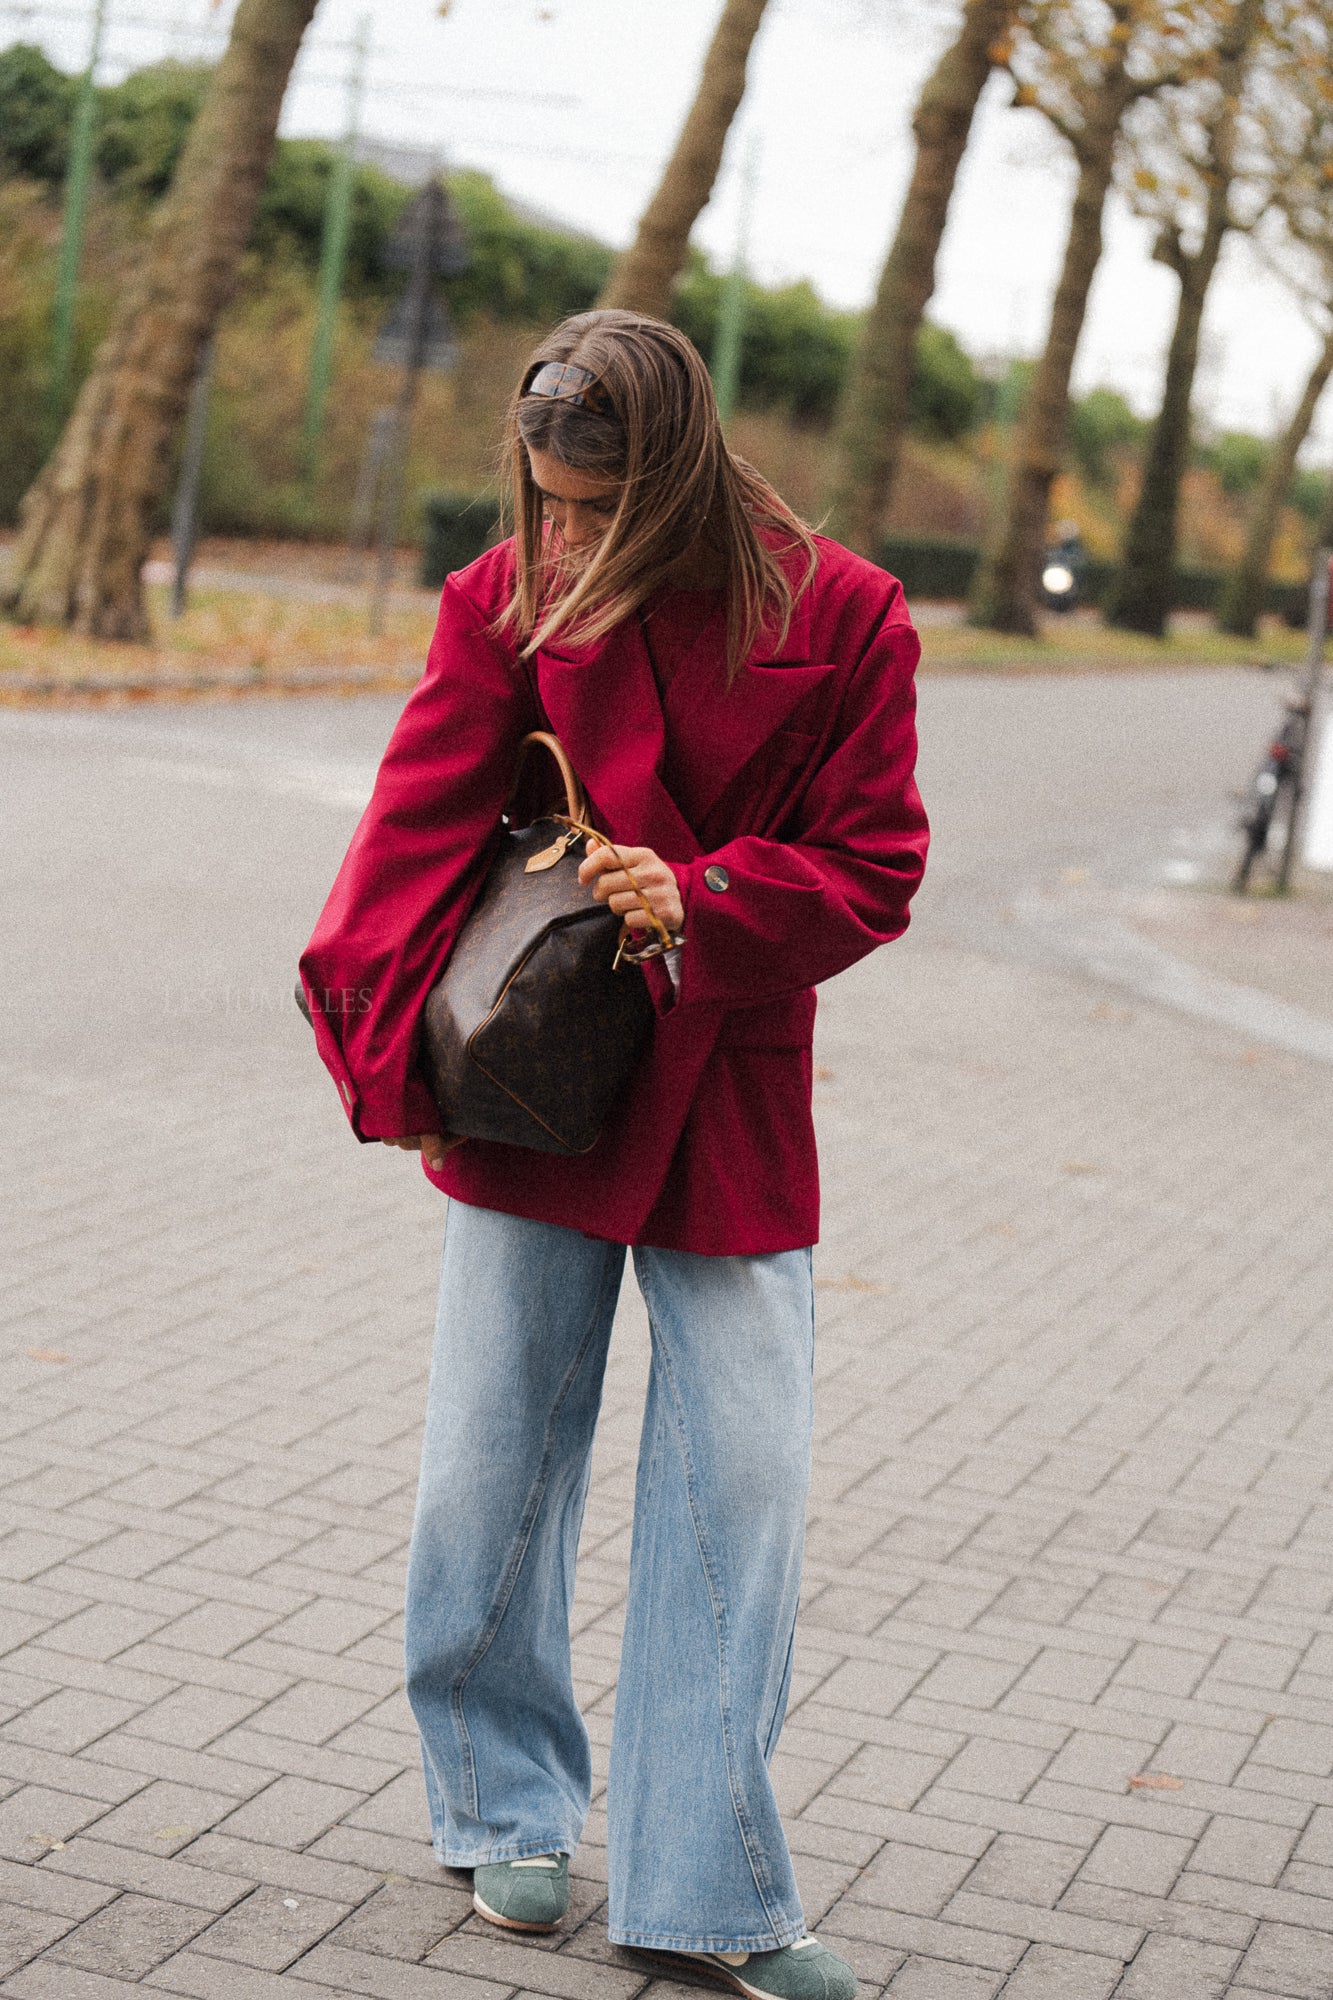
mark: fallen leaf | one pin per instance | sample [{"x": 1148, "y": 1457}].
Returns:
[
  {"x": 823, "y": 1074},
  {"x": 46, "y": 1354},
  {"x": 48, "y": 1840},
  {"x": 173, "y": 1833},
  {"x": 1155, "y": 1781}
]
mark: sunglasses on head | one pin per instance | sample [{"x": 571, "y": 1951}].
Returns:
[{"x": 565, "y": 382}]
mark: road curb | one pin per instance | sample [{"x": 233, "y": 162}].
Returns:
[{"x": 29, "y": 689}]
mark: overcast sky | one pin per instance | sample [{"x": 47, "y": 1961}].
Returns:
[{"x": 575, "y": 104}]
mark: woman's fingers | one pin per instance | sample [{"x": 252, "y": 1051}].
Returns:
[
  {"x": 605, "y": 871},
  {"x": 601, "y": 860},
  {"x": 431, "y": 1145}
]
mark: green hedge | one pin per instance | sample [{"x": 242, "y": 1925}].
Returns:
[
  {"x": 930, "y": 568},
  {"x": 458, "y": 527},
  {"x": 941, "y": 567}
]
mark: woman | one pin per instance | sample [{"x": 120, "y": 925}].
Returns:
[{"x": 736, "y": 695}]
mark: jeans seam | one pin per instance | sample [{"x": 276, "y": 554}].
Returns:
[
  {"x": 784, "y": 1683},
  {"x": 758, "y": 1871},
  {"x": 522, "y": 1539}
]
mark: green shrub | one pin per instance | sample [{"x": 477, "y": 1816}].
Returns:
[
  {"x": 1238, "y": 459},
  {"x": 946, "y": 394},
  {"x": 930, "y": 567},
  {"x": 520, "y": 270},
  {"x": 1309, "y": 492},
  {"x": 458, "y": 527},
  {"x": 143, "y": 123},
  {"x": 940, "y": 568},
  {"x": 289, "y": 225},
  {"x": 1099, "y": 423},
  {"x": 36, "y": 106}
]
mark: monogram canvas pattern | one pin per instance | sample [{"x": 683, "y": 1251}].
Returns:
[{"x": 529, "y": 1035}]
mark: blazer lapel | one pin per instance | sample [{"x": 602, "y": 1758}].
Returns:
[{"x": 603, "y": 705}]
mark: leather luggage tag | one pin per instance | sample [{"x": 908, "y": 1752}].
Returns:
[{"x": 548, "y": 856}]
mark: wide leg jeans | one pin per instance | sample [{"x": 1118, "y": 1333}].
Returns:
[{"x": 697, "y": 1859}]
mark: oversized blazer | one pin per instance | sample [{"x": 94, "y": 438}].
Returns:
[{"x": 786, "y": 805}]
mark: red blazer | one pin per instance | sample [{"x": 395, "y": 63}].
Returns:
[{"x": 796, "y": 782}]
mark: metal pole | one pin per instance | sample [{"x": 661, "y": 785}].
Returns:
[
  {"x": 363, "y": 498},
  {"x": 333, "y": 252},
  {"x": 1320, "y": 579},
  {"x": 185, "y": 513},
  {"x": 77, "y": 174},
  {"x": 726, "y": 369},
  {"x": 424, "y": 257}
]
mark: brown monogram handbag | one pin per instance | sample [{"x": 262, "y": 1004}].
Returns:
[{"x": 533, "y": 1027}]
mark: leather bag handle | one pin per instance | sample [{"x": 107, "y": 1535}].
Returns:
[
  {"x": 576, "y": 804},
  {"x": 575, "y": 817}
]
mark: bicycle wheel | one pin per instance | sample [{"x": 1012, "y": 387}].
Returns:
[
  {"x": 1255, "y": 837},
  {"x": 1282, "y": 832}
]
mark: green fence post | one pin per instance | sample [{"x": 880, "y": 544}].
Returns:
[
  {"x": 78, "y": 172},
  {"x": 333, "y": 254},
  {"x": 726, "y": 365}
]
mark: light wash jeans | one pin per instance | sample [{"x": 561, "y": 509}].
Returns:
[{"x": 697, "y": 1860}]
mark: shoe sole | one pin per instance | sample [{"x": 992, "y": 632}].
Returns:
[
  {"x": 510, "y": 1923},
  {"x": 725, "y": 1975}
]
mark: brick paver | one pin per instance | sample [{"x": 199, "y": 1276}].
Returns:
[{"x": 1060, "y": 1726}]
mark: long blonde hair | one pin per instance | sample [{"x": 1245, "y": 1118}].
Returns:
[{"x": 651, "y": 424}]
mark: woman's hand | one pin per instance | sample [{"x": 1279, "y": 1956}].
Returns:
[
  {"x": 431, "y": 1146},
  {"x": 603, "y": 873}
]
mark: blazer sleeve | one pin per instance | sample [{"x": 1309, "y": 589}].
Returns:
[
  {"x": 415, "y": 864},
  {"x": 788, "y": 913}
]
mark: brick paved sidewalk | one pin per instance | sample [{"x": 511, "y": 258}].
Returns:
[{"x": 1071, "y": 1525}]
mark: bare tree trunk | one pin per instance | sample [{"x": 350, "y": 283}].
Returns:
[
  {"x": 1140, "y": 596},
  {"x": 1243, "y": 597},
  {"x": 1005, "y": 593},
  {"x": 873, "y": 418},
  {"x": 86, "y": 520},
  {"x": 643, "y": 279},
  {"x": 1324, "y": 533},
  {"x": 1141, "y": 591}
]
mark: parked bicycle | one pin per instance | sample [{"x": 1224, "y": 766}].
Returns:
[
  {"x": 1268, "y": 821},
  {"x": 1272, "y": 815}
]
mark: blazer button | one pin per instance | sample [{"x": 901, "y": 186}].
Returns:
[{"x": 716, "y": 879}]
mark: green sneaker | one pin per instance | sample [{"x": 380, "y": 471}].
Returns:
[
  {"x": 806, "y": 1970},
  {"x": 527, "y": 1895}
]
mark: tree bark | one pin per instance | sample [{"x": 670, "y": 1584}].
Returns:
[
  {"x": 1005, "y": 593},
  {"x": 872, "y": 420},
  {"x": 1141, "y": 591},
  {"x": 643, "y": 279},
  {"x": 1243, "y": 596},
  {"x": 85, "y": 523},
  {"x": 1140, "y": 596}
]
